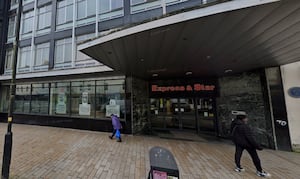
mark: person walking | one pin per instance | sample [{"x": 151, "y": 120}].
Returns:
[
  {"x": 243, "y": 139},
  {"x": 117, "y": 126}
]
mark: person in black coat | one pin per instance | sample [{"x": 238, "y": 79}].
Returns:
[{"x": 243, "y": 139}]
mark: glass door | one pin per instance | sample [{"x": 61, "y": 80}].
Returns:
[
  {"x": 187, "y": 114},
  {"x": 205, "y": 114}
]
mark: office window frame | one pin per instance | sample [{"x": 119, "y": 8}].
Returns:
[
  {"x": 44, "y": 17},
  {"x": 27, "y": 20},
  {"x": 62, "y": 45},
  {"x": 42, "y": 50}
]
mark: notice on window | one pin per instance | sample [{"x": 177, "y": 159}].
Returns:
[
  {"x": 85, "y": 107},
  {"x": 159, "y": 175},
  {"x": 61, "y": 106},
  {"x": 112, "y": 109}
]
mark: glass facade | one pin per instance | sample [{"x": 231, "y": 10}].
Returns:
[
  {"x": 95, "y": 99},
  {"x": 22, "y": 100},
  {"x": 40, "y": 98}
]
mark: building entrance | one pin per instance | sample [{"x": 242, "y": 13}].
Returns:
[{"x": 192, "y": 114}]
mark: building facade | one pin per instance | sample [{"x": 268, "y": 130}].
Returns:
[{"x": 58, "y": 85}]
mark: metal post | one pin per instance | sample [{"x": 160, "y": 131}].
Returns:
[{"x": 8, "y": 136}]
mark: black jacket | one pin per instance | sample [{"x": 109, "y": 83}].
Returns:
[{"x": 243, "y": 136}]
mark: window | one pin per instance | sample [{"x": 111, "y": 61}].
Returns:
[
  {"x": 27, "y": 22},
  {"x": 25, "y": 56},
  {"x": 59, "y": 100},
  {"x": 86, "y": 8},
  {"x": 40, "y": 98},
  {"x": 63, "y": 51},
  {"x": 11, "y": 27},
  {"x": 22, "y": 101},
  {"x": 44, "y": 17},
  {"x": 42, "y": 54},
  {"x": 8, "y": 59},
  {"x": 83, "y": 99},
  {"x": 110, "y": 98},
  {"x": 110, "y": 5},
  {"x": 64, "y": 12}
]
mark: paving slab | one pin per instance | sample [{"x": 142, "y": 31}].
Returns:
[{"x": 58, "y": 153}]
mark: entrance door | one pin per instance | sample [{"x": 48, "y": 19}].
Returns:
[
  {"x": 206, "y": 115},
  {"x": 187, "y": 115},
  {"x": 173, "y": 113}
]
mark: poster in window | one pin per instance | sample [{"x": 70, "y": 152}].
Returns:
[
  {"x": 112, "y": 108},
  {"x": 85, "y": 107},
  {"x": 61, "y": 106}
]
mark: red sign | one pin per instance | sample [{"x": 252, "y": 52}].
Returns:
[{"x": 196, "y": 87}]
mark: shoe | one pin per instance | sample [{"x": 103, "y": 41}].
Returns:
[
  {"x": 239, "y": 169},
  {"x": 263, "y": 174},
  {"x": 119, "y": 140},
  {"x": 110, "y": 137}
]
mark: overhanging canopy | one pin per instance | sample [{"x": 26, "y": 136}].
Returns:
[{"x": 235, "y": 36}]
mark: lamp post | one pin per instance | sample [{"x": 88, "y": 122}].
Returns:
[{"x": 8, "y": 136}]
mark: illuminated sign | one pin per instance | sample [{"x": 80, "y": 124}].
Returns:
[{"x": 195, "y": 87}]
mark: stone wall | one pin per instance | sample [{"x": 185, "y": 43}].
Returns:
[
  {"x": 140, "y": 100},
  {"x": 244, "y": 92}
]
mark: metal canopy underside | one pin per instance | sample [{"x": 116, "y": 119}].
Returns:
[{"x": 239, "y": 40}]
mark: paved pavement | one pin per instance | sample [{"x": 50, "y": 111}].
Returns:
[{"x": 56, "y": 153}]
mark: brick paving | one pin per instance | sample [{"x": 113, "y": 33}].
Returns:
[{"x": 56, "y": 153}]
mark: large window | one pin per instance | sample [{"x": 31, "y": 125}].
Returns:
[
  {"x": 25, "y": 57},
  {"x": 40, "y": 98},
  {"x": 83, "y": 99},
  {"x": 44, "y": 17},
  {"x": 110, "y": 98},
  {"x": 64, "y": 16},
  {"x": 95, "y": 99},
  {"x": 8, "y": 59},
  {"x": 42, "y": 54},
  {"x": 63, "y": 51},
  {"x": 11, "y": 27},
  {"x": 60, "y": 99},
  {"x": 22, "y": 100},
  {"x": 27, "y": 22}
]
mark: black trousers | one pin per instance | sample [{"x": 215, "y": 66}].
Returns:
[{"x": 252, "y": 152}]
